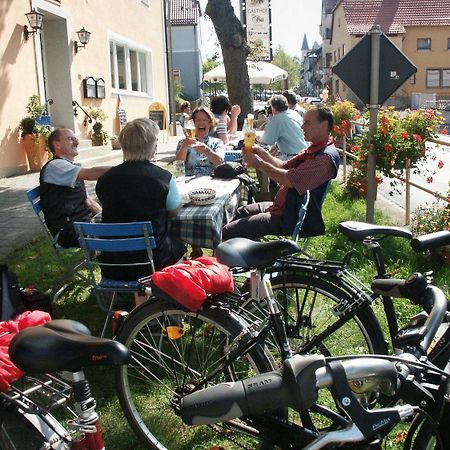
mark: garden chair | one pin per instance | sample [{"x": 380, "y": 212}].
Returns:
[
  {"x": 117, "y": 238},
  {"x": 64, "y": 256}
]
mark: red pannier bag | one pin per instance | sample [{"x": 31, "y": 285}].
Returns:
[
  {"x": 8, "y": 371},
  {"x": 191, "y": 282}
]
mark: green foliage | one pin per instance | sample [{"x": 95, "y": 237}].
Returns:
[
  {"x": 28, "y": 124},
  {"x": 99, "y": 136},
  {"x": 343, "y": 111},
  {"x": 290, "y": 64}
]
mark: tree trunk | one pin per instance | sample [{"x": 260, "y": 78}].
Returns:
[{"x": 232, "y": 39}]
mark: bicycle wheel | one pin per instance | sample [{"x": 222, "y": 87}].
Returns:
[
  {"x": 172, "y": 353},
  {"x": 19, "y": 431},
  {"x": 310, "y": 309}
]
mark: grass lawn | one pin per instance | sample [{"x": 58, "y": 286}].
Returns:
[{"x": 35, "y": 264}]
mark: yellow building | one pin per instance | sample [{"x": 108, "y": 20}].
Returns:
[
  {"x": 125, "y": 54},
  {"x": 419, "y": 28}
]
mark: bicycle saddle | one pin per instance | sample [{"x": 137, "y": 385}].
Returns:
[
  {"x": 248, "y": 254},
  {"x": 358, "y": 231},
  {"x": 63, "y": 345}
]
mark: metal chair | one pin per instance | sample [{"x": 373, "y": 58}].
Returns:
[
  {"x": 64, "y": 256},
  {"x": 114, "y": 238}
]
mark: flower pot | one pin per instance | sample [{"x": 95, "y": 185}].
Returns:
[{"x": 36, "y": 150}]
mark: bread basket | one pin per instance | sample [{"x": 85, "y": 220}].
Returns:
[{"x": 202, "y": 196}]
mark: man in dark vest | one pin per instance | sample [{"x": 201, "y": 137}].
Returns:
[
  {"x": 64, "y": 199},
  {"x": 311, "y": 169}
]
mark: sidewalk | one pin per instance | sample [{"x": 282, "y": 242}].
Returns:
[{"x": 19, "y": 225}]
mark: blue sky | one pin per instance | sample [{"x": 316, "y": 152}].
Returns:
[{"x": 290, "y": 20}]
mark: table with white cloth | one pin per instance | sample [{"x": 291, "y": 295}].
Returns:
[{"x": 201, "y": 226}]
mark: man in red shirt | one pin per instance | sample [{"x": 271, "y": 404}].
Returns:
[{"x": 311, "y": 170}]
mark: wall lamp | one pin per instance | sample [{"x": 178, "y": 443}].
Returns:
[
  {"x": 35, "y": 20},
  {"x": 83, "y": 36}
]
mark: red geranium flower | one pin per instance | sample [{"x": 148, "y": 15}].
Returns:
[
  {"x": 440, "y": 164},
  {"x": 417, "y": 137}
]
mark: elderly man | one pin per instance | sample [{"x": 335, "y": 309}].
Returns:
[
  {"x": 64, "y": 199},
  {"x": 284, "y": 129},
  {"x": 310, "y": 170}
]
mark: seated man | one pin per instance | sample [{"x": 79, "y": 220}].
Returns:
[
  {"x": 291, "y": 98},
  {"x": 138, "y": 190},
  {"x": 64, "y": 199},
  {"x": 310, "y": 170},
  {"x": 284, "y": 129}
]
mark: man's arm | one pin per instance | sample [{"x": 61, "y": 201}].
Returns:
[
  {"x": 267, "y": 156},
  {"x": 267, "y": 164},
  {"x": 92, "y": 173},
  {"x": 92, "y": 205}
]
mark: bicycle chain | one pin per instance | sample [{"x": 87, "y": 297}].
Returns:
[{"x": 231, "y": 439}]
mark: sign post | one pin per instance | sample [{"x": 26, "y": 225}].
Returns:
[
  {"x": 375, "y": 34},
  {"x": 373, "y": 69}
]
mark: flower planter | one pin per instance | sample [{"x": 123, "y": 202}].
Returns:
[{"x": 36, "y": 150}]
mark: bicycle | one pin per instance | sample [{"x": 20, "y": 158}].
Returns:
[
  {"x": 408, "y": 386},
  {"x": 175, "y": 351},
  {"x": 52, "y": 356}
]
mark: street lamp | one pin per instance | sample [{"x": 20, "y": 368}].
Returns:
[
  {"x": 35, "y": 20},
  {"x": 83, "y": 36}
]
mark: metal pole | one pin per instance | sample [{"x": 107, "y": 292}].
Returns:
[
  {"x": 375, "y": 34},
  {"x": 407, "y": 192},
  {"x": 171, "y": 82},
  {"x": 344, "y": 158}
]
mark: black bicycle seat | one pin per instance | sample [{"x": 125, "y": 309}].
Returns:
[
  {"x": 248, "y": 254},
  {"x": 45, "y": 349},
  {"x": 358, "y": 231}
]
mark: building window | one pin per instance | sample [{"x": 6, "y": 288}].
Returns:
[
  {"x": 412, "y": 79},
  {"x": 327, "y": 33},
  {"x": 339, "y": 53},
  {"x": 328, "y": 59},
  {"x": 129, "y": 68},
  {"x": 343, "y": 50},
  {"x": 424, "y": 44},
  {"x": 334, "y": 55},
  {"x": 438, "y": 78},
  {"x": 448, "y": 43}
]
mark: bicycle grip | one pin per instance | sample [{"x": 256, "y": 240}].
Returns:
[{"x": 227, "y": 401}]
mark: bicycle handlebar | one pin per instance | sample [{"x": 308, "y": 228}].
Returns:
[{"x": 430, "y": 241}]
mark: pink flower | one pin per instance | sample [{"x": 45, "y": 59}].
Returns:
[
  {"x": 404, "y": 135},
  {"x": 444, "y": 131},
  {"x": 440, "y": 164},
  {"x": 429, "y": 180},
  {"x": 417, "y": 137}
]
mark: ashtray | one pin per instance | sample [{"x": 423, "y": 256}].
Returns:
[{"x": 202, "y": 196}]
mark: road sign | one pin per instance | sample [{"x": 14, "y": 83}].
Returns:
[{"x": 354, "y": 69}]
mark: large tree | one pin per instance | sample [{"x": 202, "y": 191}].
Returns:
[
  {"x": 232, "y": 39},
  {"x": 290, "y": 64}
]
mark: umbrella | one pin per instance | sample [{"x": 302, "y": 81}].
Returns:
[{"x": 259, "y": 73}]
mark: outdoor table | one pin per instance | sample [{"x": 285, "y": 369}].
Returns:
[{"x": 201, "y": 226}]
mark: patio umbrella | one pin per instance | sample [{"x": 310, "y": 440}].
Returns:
[{"x": 260, "y": 72}]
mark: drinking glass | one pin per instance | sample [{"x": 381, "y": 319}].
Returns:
[{"x": 189, "y": 129}]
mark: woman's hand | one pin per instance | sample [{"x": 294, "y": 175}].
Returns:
[
  {"x": 235, "y": 110},
  {"x": 200, "y": 147}
]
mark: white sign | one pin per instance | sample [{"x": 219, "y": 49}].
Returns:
[{"x": 257, "y": 20}]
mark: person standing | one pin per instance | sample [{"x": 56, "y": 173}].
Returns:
[
  {"x": 284, "y": 129},
  {"x": 63, "y": 194},
  {"x": 311, "y": 170},
  {"x": 226, "y": 124}
]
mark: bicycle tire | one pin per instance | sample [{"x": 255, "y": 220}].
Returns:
[
  {"x": 317, "y": 298},
  {"x": 163, "y": 366},
  {"x": 19, "y": 431}
]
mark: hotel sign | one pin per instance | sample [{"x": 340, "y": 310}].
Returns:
[{"x": 257, "y": 20}]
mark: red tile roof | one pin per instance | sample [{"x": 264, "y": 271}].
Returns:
[
  {"x": 394, "y": 15},
  {"x": 184, "y": 12}
]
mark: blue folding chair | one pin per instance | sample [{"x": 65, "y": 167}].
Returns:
[
  {"x": 114, "y": 238},
  {"x": 64, "y": 256}
]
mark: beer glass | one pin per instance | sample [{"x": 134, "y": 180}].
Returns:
[{"x": 189, "y": 129}]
